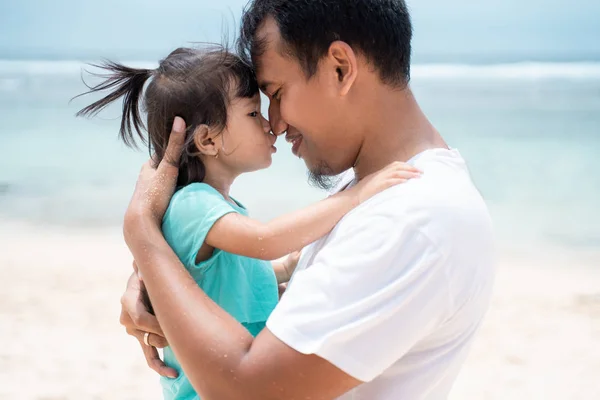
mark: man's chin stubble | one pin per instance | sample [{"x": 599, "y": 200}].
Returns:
[{"x": 323, "y": 177}]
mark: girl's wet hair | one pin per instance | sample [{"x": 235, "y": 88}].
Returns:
[{"x": 196, "y": 85}]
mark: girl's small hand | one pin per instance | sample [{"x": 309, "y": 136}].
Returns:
[
  {"x": 394, "y": 174},
  {"x": 291, "y": 262}
]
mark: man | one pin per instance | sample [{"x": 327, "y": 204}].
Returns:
[{"x": 385, "y": 306}]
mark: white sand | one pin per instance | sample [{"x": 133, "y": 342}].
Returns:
[{"x": 59, "y": 308}]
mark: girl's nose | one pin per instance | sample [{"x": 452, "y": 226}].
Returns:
[{"x": 265, "y": 124}]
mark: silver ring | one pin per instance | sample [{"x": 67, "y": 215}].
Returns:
[{"x": 146, "y": 336}]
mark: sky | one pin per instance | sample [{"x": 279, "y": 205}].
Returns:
[{"x": 445, "y": 30}]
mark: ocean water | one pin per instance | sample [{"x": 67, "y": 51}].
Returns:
[{"x": 530, "y": 133}]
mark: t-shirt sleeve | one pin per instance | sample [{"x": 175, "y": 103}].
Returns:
[
  {"x": 191, "y": 214},
  {"x": 375, "y": 288}
]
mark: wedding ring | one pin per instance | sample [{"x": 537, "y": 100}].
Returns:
[{"x": 146, "y": 336}]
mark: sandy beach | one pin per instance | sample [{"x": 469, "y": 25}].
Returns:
[{"x": 59, "y": 307}]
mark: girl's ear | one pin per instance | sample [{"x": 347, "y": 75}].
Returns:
[{"x": 204, "y": 139}]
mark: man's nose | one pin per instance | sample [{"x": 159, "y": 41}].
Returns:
[{"x": 278, "y": 125}]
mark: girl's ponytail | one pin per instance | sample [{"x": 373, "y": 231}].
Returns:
[{"x": 124, "y": 82}]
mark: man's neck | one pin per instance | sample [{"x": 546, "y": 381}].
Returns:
[{"x": 398, "y": 131}]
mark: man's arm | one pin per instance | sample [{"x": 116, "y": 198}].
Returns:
[{"x": 220, "y": 357}]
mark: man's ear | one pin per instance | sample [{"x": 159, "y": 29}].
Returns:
[
  {"x": 345, "y": 65},
  {"x": 204, "y": 139}
]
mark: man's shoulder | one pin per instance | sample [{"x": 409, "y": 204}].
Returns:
[
  {"x": 445, "y": 180},
  {"x": 442, "y": 199},
  {"x": 430, "y": 194}
]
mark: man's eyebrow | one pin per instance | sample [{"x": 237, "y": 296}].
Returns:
[{"x": 264, "y": 85}]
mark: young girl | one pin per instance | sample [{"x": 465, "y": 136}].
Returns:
[{"x": 223, "y": 249}]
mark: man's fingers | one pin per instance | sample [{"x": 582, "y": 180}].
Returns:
[
  {"x": 135, "y": 316},
  {"x": 146, "y": 322},
  {"x": 125, "y": 320},
  {"x": 154, "y": 362},
  {"x": 154, "y": 340},
  {"x": 164, "y": 179},
  {"x": 174, "y": 147},
  {"x": 155, "y": 187}
]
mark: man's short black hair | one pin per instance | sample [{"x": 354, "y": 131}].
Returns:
[{"x": 380, "y": 30}]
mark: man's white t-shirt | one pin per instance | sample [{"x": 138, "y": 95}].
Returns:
[{"x": 394, "y": 294}]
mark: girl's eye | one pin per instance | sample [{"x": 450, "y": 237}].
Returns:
[
  {"x": 276, "y": 95},
  {"x": 253, "y": 114}
]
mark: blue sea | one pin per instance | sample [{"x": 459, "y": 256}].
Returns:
[{"x": 530, "y": 133}]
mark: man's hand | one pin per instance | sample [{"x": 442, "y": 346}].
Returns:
[
  {"x": 149, "y": 202},
  {"x": 137, "y": 321},
  {"x": 155, "y": 186}
]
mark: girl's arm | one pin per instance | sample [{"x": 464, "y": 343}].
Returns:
[{"x": 238, "y": 234}]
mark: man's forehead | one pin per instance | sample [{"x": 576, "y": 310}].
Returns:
[
  {"x": 267, "y": 51},
  {"x": 265, "y": 75},
  {"x": 266, "y": 72}
]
